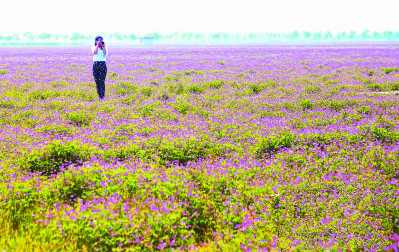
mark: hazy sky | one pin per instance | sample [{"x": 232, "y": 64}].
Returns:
[{"x": 197, "y": 16}]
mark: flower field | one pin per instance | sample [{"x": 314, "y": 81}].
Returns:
[{"x": 206, "y": 148}]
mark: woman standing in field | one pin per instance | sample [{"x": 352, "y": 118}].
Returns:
[{"x": 100, "y": 52}]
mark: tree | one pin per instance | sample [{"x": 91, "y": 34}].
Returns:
[
  {"x": 186, "y": 35},
  {"x": 376, "y": 35},
  {"x": 341, "y": 35},
  {"x": 156, "y": 35},
  {"x": 365, "y": 34},
  {"x": 352, "y": 35},
  {"x": 77, "y": 36},
  {"x": 117, "y": 35},
  {"x": 294, "y": 35},
  {"x": 307, "y": 35},
  {"x": 57, "y": 36},
  {"x": 215, "y": 36},
  {"x": 28, "y": 36},
  {"x": 317, "y": 35},
  {"x": 328, "y": 35},
  {"x": 132, "y": 36},
  {"x": 45, "y": 36},
  {"x": 388, "y": 35}
]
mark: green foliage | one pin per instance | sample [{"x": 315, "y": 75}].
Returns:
[
  {"x": 48, "y": 159},
  {"x": 375, "y": 87},
  {"x": 176, "y": 88},
  {"x": 55, "y": 129},
  {"x": 147, "y": 91},
  {"x": 73, "y": 185},
  {"x": 3, "y": 71},
  {"x": 395, "y": 86},
  {"x": 80, "y": 118},
  {"x": 170, "y": 78},
  {"x": 382, "y": 134},
  {"x": 124, "y": 88},
  {"x": 306, "y": 104},
  {"x": 312, "y": 89},
  {"x": 192, "y": 149},
  {"x": 215, "y": 84},
  {"x": 370, "y": 72},
  {"x": 195, "y": 88},
  {"x": 365, "y": 110},
  {"x": 256, "y": 88},
  {"x": 388, "y": 70},
  {"x": 182, "y": 106},
  {"x": 123, "y": 152},
  {"x": 43, "y": 95},
  {"x": 155, "y": 82},
  {"x": 273, "y": 143},
  {"x": 193, "y": 72},
  {"x": 17, "y": 209}
]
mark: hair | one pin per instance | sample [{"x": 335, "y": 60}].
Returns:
[{"x": 95, "y": 40}]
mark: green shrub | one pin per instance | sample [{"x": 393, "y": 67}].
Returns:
[
  {"x": 124, "y": 88},
  {"x": 273, "y": 143},
  {"x": 306, "y": 104},
  {"x": 312, "y": 89},
  {"x": 395, "y": 86},
  {"x": 170, "y": 78},
  {"x": 383, "y": 134},
  {"x": 365, "y": 110},
  {"x": 182, "y": 106},
  {"x": 388, "y": 70},
  {"x": 76, "y": 184},
  {"x": 80, "y": 118},
  {"x": 195, "y": 88},
  {"x": 129, "y": 100},
  {"x": 123, "y": 152},
  {"x": 176, "y": 88},
  {"x": 370, "y": 72},
  {"x": 16, "y": 208},
  {"x": 256, "y": 88},
  {"x": 155, "y": 82},
  {"x": 336, "y": 105},
  {"x": 55, "y": 129},
  {"x": 148, "y": 109},
  {"x": 182, "y": 150},
  {"x": 147, "y": 91},
  {"x": 52, "y": 156},
  {"x": 375, "y": 87},
  {"x": 216, "y": 84},
  {"x": 8, "y": 104},
  {"x": 189, "y": 72},
  {"x": 43, "y": 95},
  {"x": 164, "y": 96},
  {"x": 3, "y": 71}
]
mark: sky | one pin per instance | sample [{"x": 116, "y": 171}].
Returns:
[{"x": 205, "y": 16}]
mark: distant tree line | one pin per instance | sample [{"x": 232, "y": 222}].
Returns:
[{"x": 198, "y": 38}]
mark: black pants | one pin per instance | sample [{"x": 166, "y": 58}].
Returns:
[{"x": 99, "y": 73}]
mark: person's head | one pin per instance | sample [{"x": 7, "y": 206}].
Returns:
[{"x": 97, "y": 39}]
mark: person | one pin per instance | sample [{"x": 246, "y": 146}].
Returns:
[{"x": 100, "y": 52}]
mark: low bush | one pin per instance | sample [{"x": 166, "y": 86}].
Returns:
[
  {"x": 54, "y": 156},
  {"x": 273, "y": 143}
]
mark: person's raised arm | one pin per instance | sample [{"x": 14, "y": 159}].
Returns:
[
  {"x": 105, "y": 50},
  {"x": 96, "y": 50}
]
